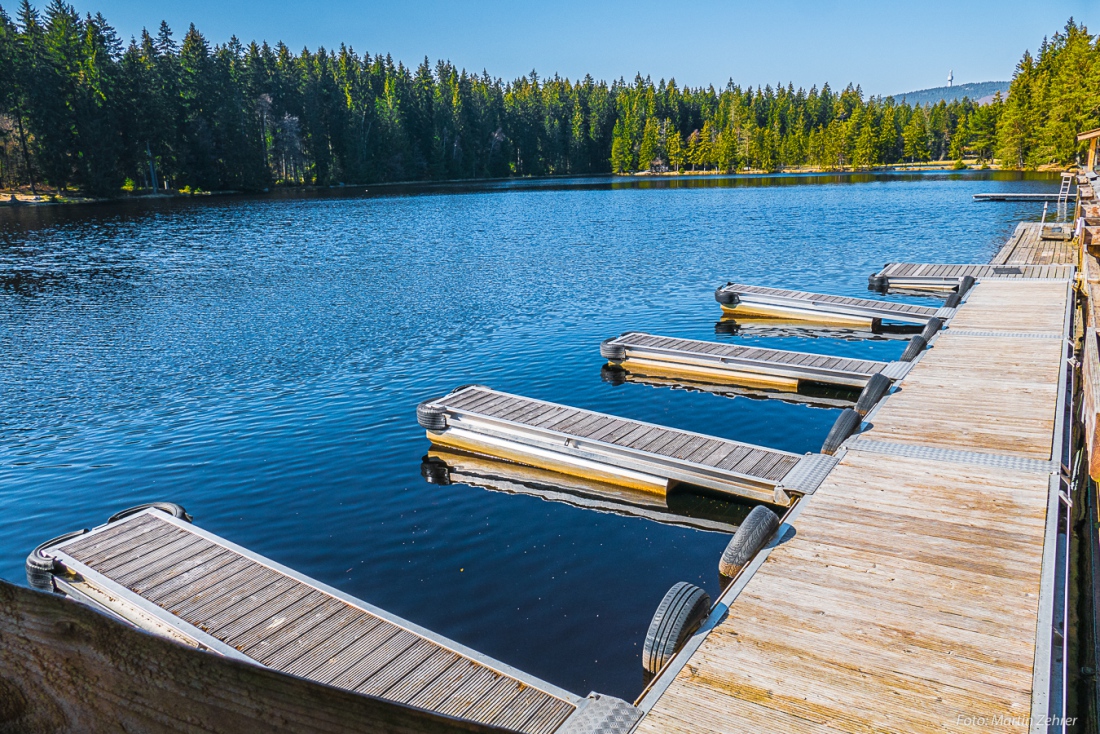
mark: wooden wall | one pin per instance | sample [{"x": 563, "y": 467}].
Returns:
[{"x": 65, "y": 667}]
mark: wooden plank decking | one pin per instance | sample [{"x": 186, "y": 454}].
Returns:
[
  {"x": 617, "y": 450},
  {"x": 250, "y": 607},
  {"x": 906, "y": 596},
  {"x": 1025, "y": 247},
  {"x": 947, "y": 275}
]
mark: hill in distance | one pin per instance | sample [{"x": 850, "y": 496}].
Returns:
[{"x": 981, "y": 92}]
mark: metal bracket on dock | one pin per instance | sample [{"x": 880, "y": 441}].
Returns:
[
  {"x": 599, "y": 714},
  {"x": 1001, "y": 461},
  {"x": 896, "y": 370},
  {"x": 808, "y": 474}
]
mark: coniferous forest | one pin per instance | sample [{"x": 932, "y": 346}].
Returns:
[{"x": 81, "y": 108}]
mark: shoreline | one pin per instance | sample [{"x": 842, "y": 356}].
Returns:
[{"x": 20, "y": 198}]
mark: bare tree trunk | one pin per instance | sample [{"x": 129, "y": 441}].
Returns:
[{"x": 26, "y": 156}]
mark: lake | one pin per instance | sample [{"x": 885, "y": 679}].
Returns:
[{"x": 259, "y": 360}]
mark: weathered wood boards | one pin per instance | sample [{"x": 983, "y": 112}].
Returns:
[
  {"x": 759, "y": 301},
  {"x": 243, "y": 605},
  {"x": 1026, "y": 247},
  {"x": 905, "y": 602},
  {"x": 621, "y": 451},
  {"x": 714, "y": 362},
  {"x": 938, "y": 276},
  {"x": 65, "y": 667},
  {"x": 911, "y": 594},
  {"x": 1014, "y": 308},
  {"x": 953, "y": 402}
]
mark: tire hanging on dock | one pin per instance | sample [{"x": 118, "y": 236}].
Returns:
[
  {"x": 846, "y": 423},
  {"x": 40, "y": 567},
  {"x": 612, "y": 352},
  {"x": 750, "y": 537},
  {"x": 916, "y": 346},
  {"x": 460, "y": 388},
  {"x": 679, "y": 614},
  {"x": 931, "y": 328},
  {"x": 873, "y": 391},
  {"x": 431, "y": 417},
  {"x": 726, "y": 298},
  {"x": 877, "y": 283},
  {"x": 169, "y": 507},
  {"x": 965, "y": 284}
]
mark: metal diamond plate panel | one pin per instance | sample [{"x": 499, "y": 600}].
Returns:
[
  {"x": 602, "y": 715},
  {"x": 962, "y": 457}
]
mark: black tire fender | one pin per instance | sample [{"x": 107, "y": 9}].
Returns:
[
  {"x": 170, "y": 507},
  {"x": 931, "y": 328},
  {"x": 40, "y": 567},
  {"x": 460, "y": 388},
  {"x": 873, "y": 391},
  {"x": 726, "y": 298},
  {"x": 431, "y": 417},
  {"x": 915, "y": 347},
  {"x": 848, "y": 421},
  {"x": 612, "y": 352},
  {"x": 750, "y": 537},
  {"x": 679, "y": 614}
]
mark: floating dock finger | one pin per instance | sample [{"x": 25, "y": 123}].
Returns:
[
  {"x": 723, "y": 363},
  {"x": 619, "y": 451},
  {"x": 759, "y": 301},
  {"x": 934, "y": 276},
  {"x": 171, "y": 578}
]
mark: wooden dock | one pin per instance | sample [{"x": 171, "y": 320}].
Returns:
[
  {"x": 1006, "y": 196},
  {"x": 917, "y": 582},
  {"x": 1026, "y": 247},
  {"x": 165, "y": 575},
  {"x": 915, "y": 590},
  {"x": 614, "y": 450},
  {"x": 759, "y": 301},
  {"x": 937, "y": 276},
  {"x": 722, "y": 362}
]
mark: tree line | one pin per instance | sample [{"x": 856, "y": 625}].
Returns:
[{"x": 78, "y": 107}]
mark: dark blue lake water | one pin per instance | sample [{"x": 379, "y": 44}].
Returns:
[{"x": 259, "y": 360}]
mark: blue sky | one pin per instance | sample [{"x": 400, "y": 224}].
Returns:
[{"x": 887, "y": 47}]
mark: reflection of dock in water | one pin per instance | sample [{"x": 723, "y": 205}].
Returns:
[
  {"x": 731, "y": 325},
  {"x": 685, "y": 509}
]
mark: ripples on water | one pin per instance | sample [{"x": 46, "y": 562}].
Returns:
[{"x": 260, "y": 360}]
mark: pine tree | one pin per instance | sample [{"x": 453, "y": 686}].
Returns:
[
  {"x": 620, "y": 150},
  {"x": 915, "y": 136},
  {"x": 1018, "y": 120},
  {"x": 674, "y": 147},
  {"x": 649, "y": 151}
]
